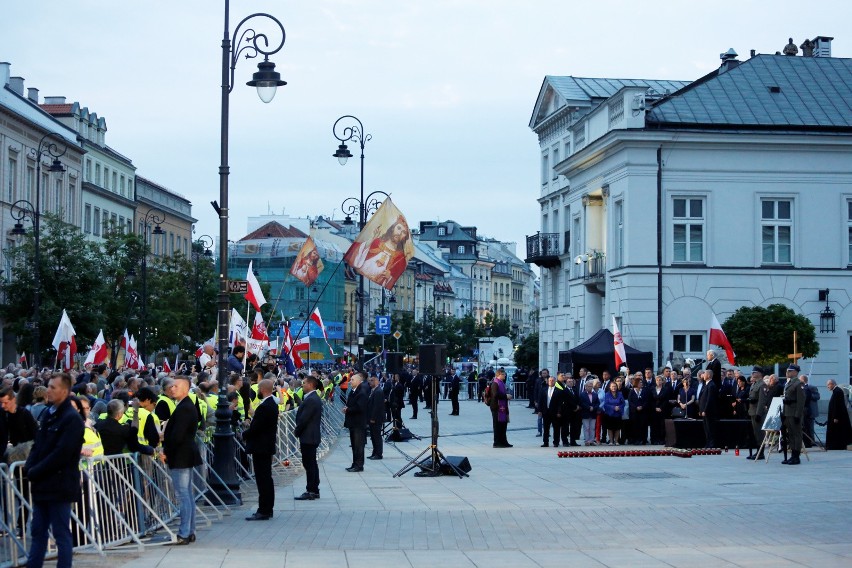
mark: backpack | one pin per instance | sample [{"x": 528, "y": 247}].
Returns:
[{"x": 486, "y": 395}]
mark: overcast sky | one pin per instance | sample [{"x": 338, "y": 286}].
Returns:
[{"x": 446, "y": 88}]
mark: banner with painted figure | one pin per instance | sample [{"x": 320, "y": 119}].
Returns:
[
  {"x": 308, "y": 264},
  {"x": 383, "y": 248}
]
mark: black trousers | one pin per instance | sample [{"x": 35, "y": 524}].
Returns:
[
  {"x": 358, "y": 439},
  {"x": 309, "y": 462},
  {"x": 554, "y": 421},
  {"x": 454, "y": 399},
  {"x": 396, "y": 416},
  {"x": 414, "y": 407},
  {"x": 499, "y": 430},
  {"x": 376, "y": 438},
  {"x": 265, "y": 487},
  {"x": 710, "y": 431}
]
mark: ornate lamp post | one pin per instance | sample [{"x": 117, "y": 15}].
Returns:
[
  {"x": 363, "y": 205},
  {"x": 248, "y": 43},
  {"x": 23, "y": 209},
  {"x": 155, "y": 217}
]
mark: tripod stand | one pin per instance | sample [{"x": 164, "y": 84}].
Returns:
[{"x": 431, "y": 466}]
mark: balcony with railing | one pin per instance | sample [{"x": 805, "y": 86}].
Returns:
[
  {"x": 593, "y": 270},
  {"x": 543, "y": 249}
]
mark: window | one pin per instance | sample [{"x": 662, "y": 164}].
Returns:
[
  {"x": 171, "y": 243},
  {"x": 96, "y": 226},
  {"x": 776, "y": 231},
  {"x": 688, "y": 229},
  {"x": 114, "y": 180},
  {"x": 545, "y": 168},
  {"x": 87, "y": 218},
  {"x": 106, "y": 178},
  {"x": 694, "y": 342},
  {"x": 97, "y": 174},
  {"x": 113, "y": 221},
  {"x": 12, "y": 176},
  {"x": 105, "y": 221},
  {"x": 442, "y": 231},
  {"x": 58, "y": 192},
  {"x": 460, "y": 250},
  {"x": 849, "y": 230},
  {"x": 88, "y": 170},
  {"x": 71, "y": 196},
  {"x": 555, "y": 161},
  {"x": 121, "y": 224},
  {"x": 619, "y": 233},
  {"x": 30, "y": 183},
  {"x": 123, "y": 185}
]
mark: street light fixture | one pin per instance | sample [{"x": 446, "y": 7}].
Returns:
[
  {"x": 248, "y": 43},
  {"x": 156, "y": 217},
  {"x": 363, "y": 206},
  {"x": 23, "y": 209}
]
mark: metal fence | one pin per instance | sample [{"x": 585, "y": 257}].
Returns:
[{"x": 126, "y": 498}]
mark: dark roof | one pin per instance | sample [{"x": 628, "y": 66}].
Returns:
[
  {"x": 454, "y": 232},
  {"x": 766, "y": 91},
  {"x": 274, "y": 229}
]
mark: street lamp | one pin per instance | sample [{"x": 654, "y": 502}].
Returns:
[
  {"x": 362, "y": 205},
  {"x": 248, "y": 43},
  {"x": 203, "y": 246},
  {"x": 153, "y": 216},
  {"x": 23, "y": 209}
]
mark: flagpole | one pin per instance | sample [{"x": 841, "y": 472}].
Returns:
[{"x": 245, "y": 355}]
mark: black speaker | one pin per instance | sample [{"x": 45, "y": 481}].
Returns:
[
  {"x": 460, "y": 462},
  {"x": 399, "y": 435},
  {"x": 432, "y": 359},
  {"x": 394, "y": 362}
]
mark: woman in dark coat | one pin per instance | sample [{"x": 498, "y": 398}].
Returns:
[
  {"x": 661, "y": 393},
  {"x": 740, "y": 403},
  {"x": 838, "y": 431}
]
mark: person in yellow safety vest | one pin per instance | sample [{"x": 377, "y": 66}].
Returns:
[
  {"x": 298, "y": 393},
  {"x": 92, "y": 445},
  {"x": 256, "y": 399},
  {"x": 149, "y": 422},
  {"x": 165, "y": 406},
  {"x": 201, "y": 407},
  {"x": 327, "y": 388},
  {"x": 285, "y": 398},
  {"x": 235, "y": 386}
]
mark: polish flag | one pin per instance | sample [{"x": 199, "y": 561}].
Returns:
[
  {"x": 98, "y": 353},
  {"x": 317, "y": 319},
  {"x": 254, "y": 294},
  {"x": 131, "y": 359},
  {"x": 718, "y": 337},
  {"x": 287, "y": 349},
  {"x": 303, "y": 344},
  {"x": 166, "y": 367},
  {"x": 258, "y": 330},
  {"x": 618, "y": 344},
  {"x": 65, "y": 343},
  {"x": 23, "y": 359}
]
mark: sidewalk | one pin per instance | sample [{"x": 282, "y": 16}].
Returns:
[{"x": 523, "y": 507}]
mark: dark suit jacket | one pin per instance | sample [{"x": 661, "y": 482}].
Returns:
[
  {"x": 585, "y": 405},
  {"x": 397, "y": 396},
  {"x": 642, "y": 398},
  {"x": 415, "y": 388},
  {"x": 716, "y": 366},
  {"x": 308, "y": 419},
  {"x": 556, "y": 402},
  {"x": 455, "y": 385},
  {"x": 116, "y": 437},
  {"x": 263, "y": 432},
  {"x": 53, "y": 464},
  {"x": 376, "y": 405},
  {"x": 356, "y": 408},
  {"x": 708, "y": 402},
  {"x": 179, "y": 438}
]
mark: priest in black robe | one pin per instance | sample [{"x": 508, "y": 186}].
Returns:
[{"x": 838, "y": 431}]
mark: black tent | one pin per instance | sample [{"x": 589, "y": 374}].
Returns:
[{"x": 598, "y": 355}]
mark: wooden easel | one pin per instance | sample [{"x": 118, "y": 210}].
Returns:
[{"x": 771, "y": 439}]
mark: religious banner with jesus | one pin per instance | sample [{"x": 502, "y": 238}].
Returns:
[
  {"x": 383, "y": 248},
  {"x": 308, "y": 264}
]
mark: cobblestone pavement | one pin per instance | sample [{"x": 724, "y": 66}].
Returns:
[{"x": 523, "y": 507}]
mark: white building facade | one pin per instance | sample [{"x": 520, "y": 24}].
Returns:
[{"x": 663, "y": 203}]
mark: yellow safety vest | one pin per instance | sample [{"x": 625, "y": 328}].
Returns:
[
  {"x": 257, "y": 400},
  {"x": 327, "y": 390},
  {"x": 171, "y": 404},
  {"x": 201, "y": 405},
  {"x": 91, "y": 441},
  {"x": 298, "y": 395},
  {"x": 283, "y": 398}
]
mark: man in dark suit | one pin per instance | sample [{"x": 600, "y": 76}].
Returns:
[
  {"x": 455, "y": 386},
  {"x": 550, "y": 410},
  {"x": 415, "y": 391},
  {"x": 356, "y": 421},
  {"x": 308, "y": 419},
  {"x": 260, "y": 443},
  {"x": 708, "y": 408},
  {"x": 396, "y": 401},
  {"x": 53, "y": 471},
  {"x": 375, "y": 416},
  {"x": 181, "y": 454},
  {"x": 714, "y": 365}
]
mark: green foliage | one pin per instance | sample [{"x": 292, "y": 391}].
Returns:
[
  {"x": 526, "y": 355},
  {"x": 764, "y": 336}
]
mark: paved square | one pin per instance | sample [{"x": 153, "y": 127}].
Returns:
[{"x": 523, "y": 506}]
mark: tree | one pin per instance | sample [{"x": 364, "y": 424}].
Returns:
[
  {"x": 526, "y": 355},
  {"x": 764, "y": 336},
  {"x": 119, "y": 255}
]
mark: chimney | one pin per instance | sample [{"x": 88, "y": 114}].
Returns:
[
  {"x": 32, "y": 94},
  {"x": 17, "y": 85},
  {"x": 822, "y": 46},
  {"x": 54, "y": 100},
  {"x": 4, "y": 73},
  {"x": 729, "y": 61}
]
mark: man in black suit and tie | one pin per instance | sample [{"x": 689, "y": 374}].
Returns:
[
  {"x": 308, "y": 419},
  {"x": 356, "y": 421},
  {"x": 396, "y": 401},
  {"x": 550, "y": 409},
  {"x": 708, "y": 408},
  {"x": 375, "y": 417},
  {"x": 714, "y": 366},
  {"x": 415, "y": 391},
  {"x": 455, "y": 387},
  {"x": 260, "y": 443}
]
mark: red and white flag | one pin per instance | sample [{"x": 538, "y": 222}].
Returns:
[
  {"x": 65, "y": 343},
  {"x": 131, "y": 357},
  {"x": 254, "y": 294},
  {"x": 98, "y": 353},
  {"x": 301, "y": 345},
  {"x": 166, "y": 367},
  {"x": 718, "y": 337},
  {"x": 23, "y": 359},
  {"x": 317, "y": 319},
  {"x": 258, "y": 330},
  {"x": 239, "y": 329},
  {"x": 287, "y": 348},
  {"x": 618, "y": 345}
]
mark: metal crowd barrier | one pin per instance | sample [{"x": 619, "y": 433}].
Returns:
[{"x": 129, "y": 497}]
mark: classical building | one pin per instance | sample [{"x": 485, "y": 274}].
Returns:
[
  {"x": 663, "y": 203},
  {"x": 153, "y": 202},
  {"x": 108, "y": 177}
]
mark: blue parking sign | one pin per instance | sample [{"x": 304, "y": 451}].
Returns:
[{"x": 383, "y": 325}]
